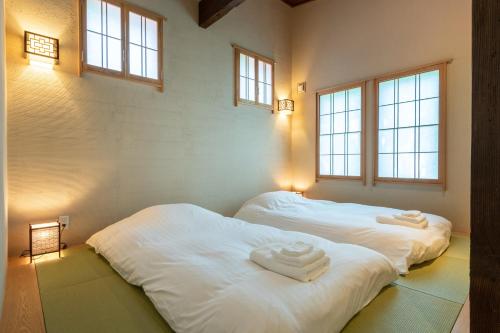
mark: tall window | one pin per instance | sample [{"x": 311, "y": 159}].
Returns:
[
  {"x": 254, "y": 79},
  {"x": 122, "y": 40},
  {"x": 410, "y": 126},
  {"x": 340, "y": 127}
]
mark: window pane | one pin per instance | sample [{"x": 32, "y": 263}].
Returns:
[
  {"x": 243, "y": 88},
  {"x": 114, "y": 21},
  {"x": 324, "y": 144},
  {"x": 251, "y": 68},
  {"x": 338, "y": 165},
  {"x": 355, "y": 99},
  {"x": 325, "y": 104},
  {"x": 135, "y": 60},
  {"x": 386, "y": 93},
  {"x": 262, "y": 92},
  {"x": 407, "y": 114},
  {"x": 114, "y": 54},
  {"x": 251, "y": 90},
  {"x": 338, "y": 143},
  {"x": 339, "y": 101},
  {"x": 151, "y": 34},
  {"x": 406, "y": 140},
  {"x": 243, "y": 65},
  {"x": 386, "y": 141},
  {"x": 152, "y": 64},
  {"x": 429, "y": 138},
  {"x": 429, "y": 84},
  {"x": 324, "y": 164},
  {"x": 354, "y": 164},
  {"x": 429, "y": 111},
  {"x": 269, "y": 94},
  {"x": 261, "y": 72},
  {"x": 406, "y": 165},
  {"x": 386, "y": 117},
  {"x": 385, "y": 165},
  {"x": 407, "y": 89},
  {"x": 325, "y": 124},
  {"x": 269, "y": 74},
  {"x": 354, "y": 143},
  {"x": 339, "y": 122},
  {"x": 94, "y": 49},
  {"x": 355, "y": 121},
  {"x": 94, "y": 15},
  {"x": 135, "y": 28},
  {"x": 429, "y": 166}
]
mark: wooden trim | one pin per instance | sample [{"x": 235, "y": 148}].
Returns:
[
  {"x": 125, "y": 8},
  {"x": 331, "y": 90},
  {"x": 442, "y": 125},
  {"x": 257, "y": 57}
]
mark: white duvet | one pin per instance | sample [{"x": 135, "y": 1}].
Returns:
[
  {"x": 350, "y": 223},
  {"x": 194, "y": 266}
]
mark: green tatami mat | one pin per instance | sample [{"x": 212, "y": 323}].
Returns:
[
  {"x": 81, "y": 293},
  {"x": 398, "y": 309},
  {"x": 445, "y": 277},
  {"x": 459, "y": 247}
]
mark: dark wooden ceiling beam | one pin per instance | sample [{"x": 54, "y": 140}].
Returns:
[
  {"x": 294, "y": 3},
  {"x": 210, "y": 11}
]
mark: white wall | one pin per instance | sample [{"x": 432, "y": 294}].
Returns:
[
  {"x": 338, "y": 41},
  {"x": 3, "y": 178},
  {"x": 99, "y": 149}
]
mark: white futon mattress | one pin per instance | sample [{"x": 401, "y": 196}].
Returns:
[
  {"x": 194, "y": 266},
  {"x": 350, "y": 223}
]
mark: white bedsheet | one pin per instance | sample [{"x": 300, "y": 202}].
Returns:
[
  {"x": 194, "y": 266},
  {"x": 350, "y": 223}
]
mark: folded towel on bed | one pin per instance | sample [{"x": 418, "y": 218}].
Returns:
[
  {"x": 296, "y": 249},
  {"x": 394, "y": 221},
  {"x": 416, "y": 219},
  {"x": 263, "y": 256},
  {"x": 411, "y": 213},
  {"x": 300, "y": 261}
]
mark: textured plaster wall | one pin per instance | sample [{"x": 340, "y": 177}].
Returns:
[
  {"x": 3, "y": 208},
  {"x": 99, "y": 149},
  {"x": 337, "y": 41}
]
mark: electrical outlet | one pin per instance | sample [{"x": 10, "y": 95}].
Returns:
[{"x": 64, "y": 220}]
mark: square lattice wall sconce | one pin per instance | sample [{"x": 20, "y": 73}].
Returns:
[
  {"x": 286, "y": 106},
  {"x": 43, "y": 48}
]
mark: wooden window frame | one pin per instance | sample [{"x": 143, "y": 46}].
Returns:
[
  {"x": 239, "y": 101},
  {"x": 442, "y": 67},
  {"x": 125, "y": 8},
  {"x": 332, "y": 90}
]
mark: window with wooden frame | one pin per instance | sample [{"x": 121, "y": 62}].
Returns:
[
  {"x": 410, "y": 128},
  {"x": 340, "y": 127},
  {"x": 121, "y": 40},
  {"x": 254, "y": 79}
]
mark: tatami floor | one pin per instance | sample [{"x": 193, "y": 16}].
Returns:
[{"x": 82, "y": 293}]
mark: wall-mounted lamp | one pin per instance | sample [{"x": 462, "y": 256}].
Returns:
[
  {"x": 286, "y": 106},
  {"x": 41, "y": 49},
  {"x": 45, "y": 238}
]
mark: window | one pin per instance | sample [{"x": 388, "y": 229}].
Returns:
[
  {"x": 254, "y": 79},
  {"x": 340, "y": 132},
  {"x": 122, "y": 40},
  {"x": 410, "y": 129}
]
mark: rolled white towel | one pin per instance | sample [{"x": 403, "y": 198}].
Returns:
[
  {"x": 299, "y": 261},
  {"x": 263, "y": 256},
  {"x": 415, "y": 220},
  {"x": 394, "y": 221},
  {"x": 411, "y": 213},
  {"x": 296, "y": 249}
]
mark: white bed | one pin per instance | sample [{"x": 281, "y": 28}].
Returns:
[
  {"x": 194, "y": 266},
  {"x": 350, "y": 223}
]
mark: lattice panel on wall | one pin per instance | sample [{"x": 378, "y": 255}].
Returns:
[{"x": 41, "y": 45}]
